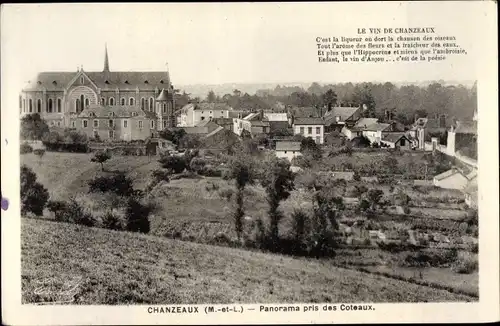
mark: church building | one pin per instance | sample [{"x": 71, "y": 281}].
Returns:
[{"x": 60, "y": 97}]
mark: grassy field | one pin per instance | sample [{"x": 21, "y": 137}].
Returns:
[
  {"x": 65, "y": 174},
  {"x": 71, "y": 263}
]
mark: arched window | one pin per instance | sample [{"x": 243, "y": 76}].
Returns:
[
  {"x": 49, "y": 105},
  {"x": 59, "y": 105},
  {"x": 82, "y": 80},
  {"x": 24, "y": 105},
  {"x": 103, "y": 101},
  {"x": 77, "y": 105},
  {"x": 87, "y": 102},
  {"x": 143, "y": 103},
  {"x": 82, "y": 102},
  {"x": 31, "y": 105},
  {"x": 151, "y": 104},
  {"x": 122, "y": 101},
  {"x": 111, "y": 101},
  {"x": 20, "y": 102},
  {"x": 39, "y": 105},
  {"x": 131, "y": 101}
]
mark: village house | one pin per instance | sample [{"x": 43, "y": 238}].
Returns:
[
  {"x": 287, "y": 149},
  {"x": 277, "y": 121},
  {"x": 397, "y": 140},
  {"x": 374, "y": 131},
  {"x": 116, "y": 123},
  {"x": 357, "y": 129},
  {"x": 192, "y": 114},
  {"x": 255, "y": 123},
  {"x": 452, "y": 179},
  {"x": 339, "y": 117},
  {"x": 310, "y": 127}
]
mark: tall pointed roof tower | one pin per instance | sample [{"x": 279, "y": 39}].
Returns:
[{"x": 106, "y": 60}]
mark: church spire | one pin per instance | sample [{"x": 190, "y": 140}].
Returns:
[{"x": 106, "y": 61}]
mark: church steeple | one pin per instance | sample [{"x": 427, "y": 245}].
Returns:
[{"x": 106, "y": 61}]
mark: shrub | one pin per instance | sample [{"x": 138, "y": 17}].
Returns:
[
  {"x": 466, "y": 264},
  {"x": 39, "y": 152},
  {"x": 112, "y": 221},
  {"x": 118, "y": 184},
  {"x": 137, "y": 214},
  {"x": 226, "y": 193},
  {"x": 198, "y": 165},
  {"x": 59, "y": 209},
  {"x": 34, "y": 195},
  {"x": 431, "y": 258},
  {"x": 101, "y": 157},
  {"x": 159, "y": 176},
  {"x": 75, "y": 213},
  {"x": 25, "y": 148},
  {"x": 176, "y": 164}
]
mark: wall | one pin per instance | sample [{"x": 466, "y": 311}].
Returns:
[
  {"x": 207, "y": 114},
  {"x": 290, "y": 155},
  {"x": 131, "y": 132},
  {"x": 313, "y": 134},
  {"x": 239, "y": 125},
  {"x": 373, "y": 136}
]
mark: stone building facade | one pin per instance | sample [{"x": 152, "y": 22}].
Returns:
[{"x": 59, "y": 97}]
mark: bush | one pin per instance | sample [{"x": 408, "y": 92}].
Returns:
[
  {"x": 137, "y": 215},
  {"x": 226, "y": 193},
  {"x": 59, "y": 209},
  {"x": 101, "y": 157},
  {"x": 198, "y": 165},
  {"x": 25, "y": 148},
  {"x": 75, "y": 213},
  {"x": 118, "y": 184},
  {"x": 176, "y": 164},
  {"x": 34, "y": 195},
  {"x": 466, "y": 264},
  {"x": 430, "y": 258},
  {"x": 39, "y": 152},
  {"x": 300, "y": 230},
  {"x": 112, "y": 221}
]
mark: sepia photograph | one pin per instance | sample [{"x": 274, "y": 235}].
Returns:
[{"x": 171, "y": 158}]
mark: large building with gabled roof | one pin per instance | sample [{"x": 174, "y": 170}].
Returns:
[{"x": 59, "y": 97}]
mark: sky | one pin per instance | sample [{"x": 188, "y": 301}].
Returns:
[{"x": 222, "y": 43}]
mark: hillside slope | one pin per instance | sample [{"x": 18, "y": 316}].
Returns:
[{"x": 65, "y": 262}]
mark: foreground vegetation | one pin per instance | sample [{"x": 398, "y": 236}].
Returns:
[{"x": 66, "y": 262}]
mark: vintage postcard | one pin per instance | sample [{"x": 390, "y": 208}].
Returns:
[{"x": 249, "y": 163}]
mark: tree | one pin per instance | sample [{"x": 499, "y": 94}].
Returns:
[
  {"x": 363, "y": 97},
  {"x": 329, "y": 99},
  {"x": 101, "y": 157},
  {"x": 243, "y": 173},
  {"x": 392, "y": 164},
  {"x": 211, "y": 97},
  {"x": 374, "y": 198},
  {"x": 245, "y": 134},
  {"x": 33, "y": 127},
  {"x": 34, "y": 195},
  {"x": 118, "y": 184},
  {"x": 174, "y": 135},
  {"x": 174, "y": 163},
  {"x": 40, "y": 152},
  {"x": 309, "y": 148},
  {"x": 277, "y": 180}
]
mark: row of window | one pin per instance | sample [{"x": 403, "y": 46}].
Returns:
[
  {"x": 111, "y": 123},
  {"x": 310, "y": 130},
  {"x": 145, "y": 103},
  {"x": 49, "y": 105}
]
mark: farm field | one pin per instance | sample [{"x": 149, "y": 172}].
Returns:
[{"x": 109, "y": 267}]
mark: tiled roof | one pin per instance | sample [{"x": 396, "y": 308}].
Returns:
[
  {"x": 144, "y": 80},
  {"x": 343, "y": 112},
  {"x": 287, "y": 146},
  {"x": 393, "y": 137},
  {"x": 377, "y": 127},
  {"x": 276, "y": 116},
  {"x": 205, "y": 106},
  {"x": 260, "y": 123},
  {"x": 364, "y": 122},
  {"x": 466, "y": 127},
  {"x": 251, "y": 116},
  {"x": 446, "y": 174},
  {"x": 121, "y": 111},
  {"x": 162, "y": 96},
  {"x": 308, "y": 121}
]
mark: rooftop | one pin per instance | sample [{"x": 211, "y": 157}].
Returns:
[
  {"x": 340, "y": 111},
  {"x": 377, "y": 126},
  {"x": 393, "y": 137},
  {"x": 287, "y": 146},
  {"x": 308, "y": 121}
]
